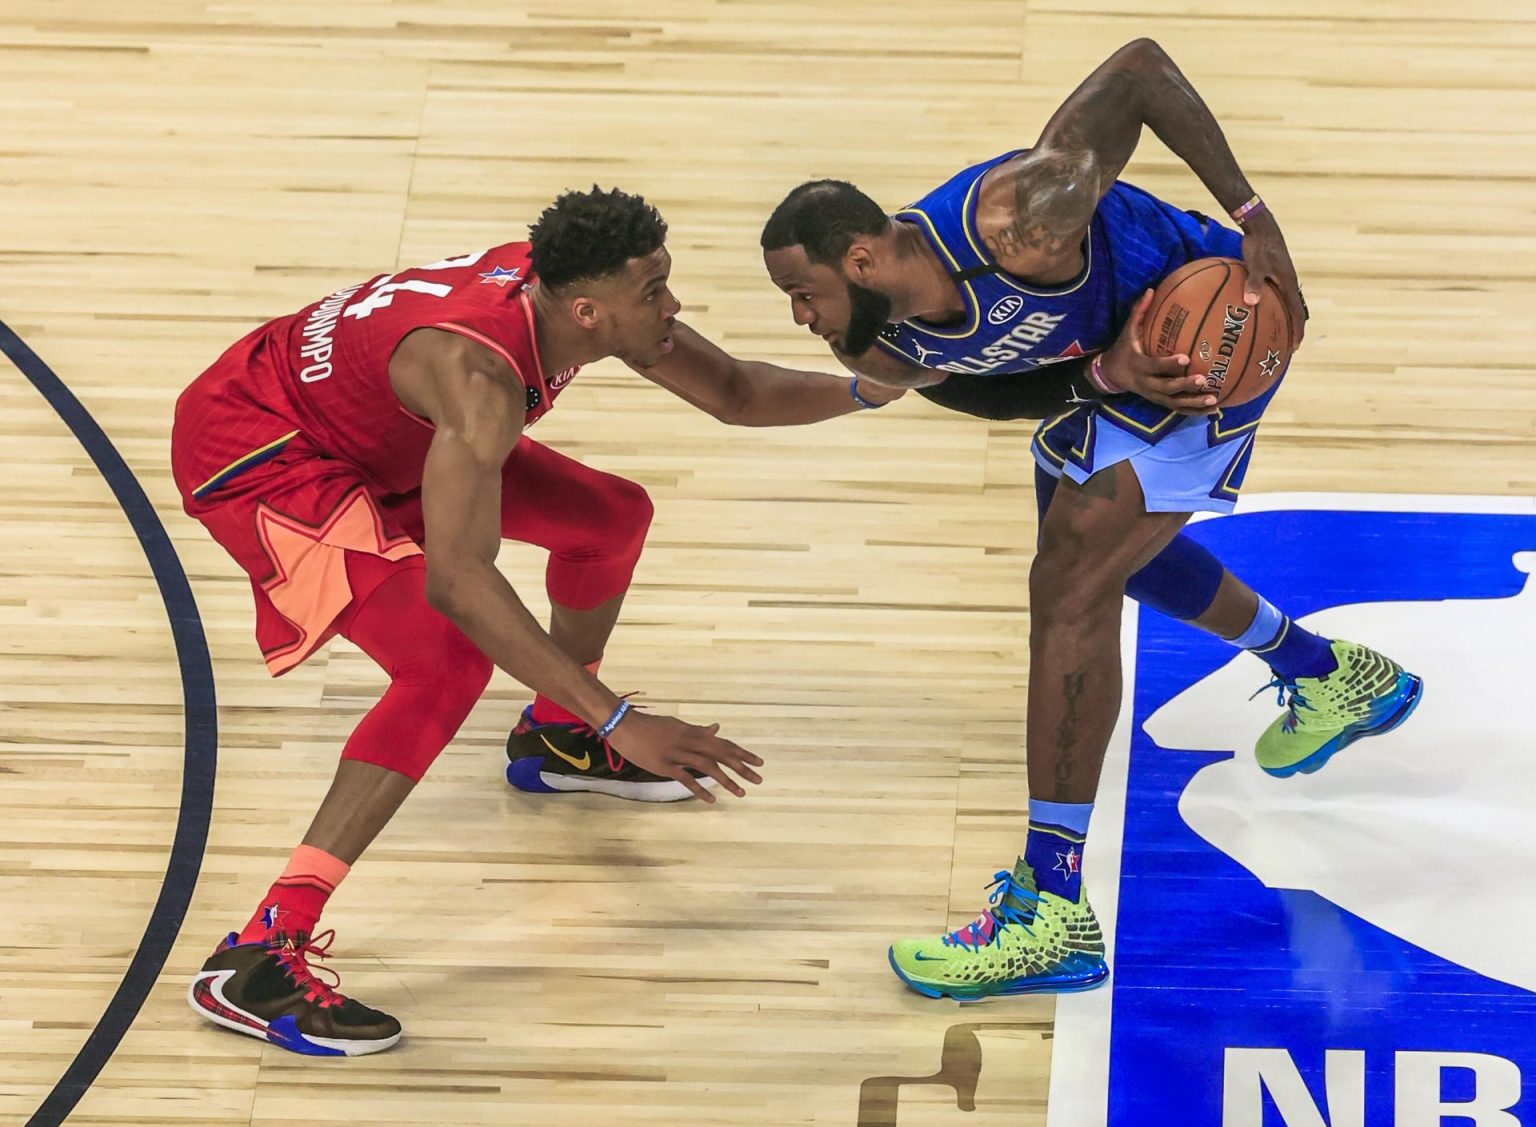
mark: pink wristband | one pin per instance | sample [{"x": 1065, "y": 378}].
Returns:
[
  {"x": 1098, "y": 378},
  {"x": 1242, "y": 214}
]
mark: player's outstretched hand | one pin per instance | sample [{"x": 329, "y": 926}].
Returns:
[
  {"x": 1164, "y": 380},
  {"x": 667, "y": 746},
  {"x": 1268, "y": 260}
]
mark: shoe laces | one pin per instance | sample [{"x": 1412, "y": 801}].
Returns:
[
  {"x": 999, "y": 914},
  {"x": 294, "y": 953},
  {"x": 615, "y": 760},
  {"x": 1296, "y": 699}
]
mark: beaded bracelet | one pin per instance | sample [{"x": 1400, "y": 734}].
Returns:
[
  {"x": 865, "y": 404},
  {"x": 613, "y": 721},
  {"x": 1242, "y": 214}
]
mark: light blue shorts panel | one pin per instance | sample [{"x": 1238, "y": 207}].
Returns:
[{"x": 1186, "y": 471}]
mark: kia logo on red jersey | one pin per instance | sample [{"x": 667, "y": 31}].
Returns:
[{"x": 562, "y": 378}]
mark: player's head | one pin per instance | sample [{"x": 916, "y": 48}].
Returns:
[
  {"x": 601, "y": 256},
  {"x": 821, "y": 247}
]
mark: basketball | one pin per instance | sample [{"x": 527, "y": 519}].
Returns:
[{"x": 1198, "y": 311}]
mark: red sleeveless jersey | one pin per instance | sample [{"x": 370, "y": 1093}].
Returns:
[{"x": 323, "y": 372}]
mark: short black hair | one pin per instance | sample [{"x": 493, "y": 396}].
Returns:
[
  {"x": 824, "y": 217},
  {"x": 588, "y": 235}
]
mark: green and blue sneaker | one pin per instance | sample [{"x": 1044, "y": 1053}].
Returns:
[
  {"x": 1027, "y": 941},
  {"x": 1367, "y": 695}
]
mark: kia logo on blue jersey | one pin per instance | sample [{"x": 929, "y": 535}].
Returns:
[{"x": 1005, "y": 308}]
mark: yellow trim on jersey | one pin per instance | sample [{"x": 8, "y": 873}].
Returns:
[
  {"x": 1059, "y": 459},
  {"x": 1226, "y": 478},
  {"x": 968, "y": 222},
  {"x": 1081, "y": 450},
  {"x": 954, "y": 266},
  {"x": 1217, "y": 432},
  {"x": 1173, "y": 419},
  {"x": 243, "y": 462}
]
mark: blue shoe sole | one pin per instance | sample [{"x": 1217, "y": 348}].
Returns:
[
  {"x": 1409, "y": 694},
  {"x": 524, "y": 775},
  {"x": 284, "y": 1033},
  {"x": 1062, "y": 984}
]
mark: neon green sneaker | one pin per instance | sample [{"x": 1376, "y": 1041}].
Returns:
[
  {"x": 1367, "y": 695},
  {"x": 1026, "y": 941}
]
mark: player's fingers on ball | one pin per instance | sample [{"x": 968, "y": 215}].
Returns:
[
  {"x": 1169, "y": 367},
  {"x": 1139, "y": 311},
  {"x": 1199, "y": 400}
]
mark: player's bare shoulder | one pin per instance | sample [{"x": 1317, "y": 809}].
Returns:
[
  {"x": 1033, "y": 210},
  {"x": 437, "y": 373}
]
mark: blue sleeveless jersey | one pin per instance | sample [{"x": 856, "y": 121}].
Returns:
[{"x": 1134, "y": 241}]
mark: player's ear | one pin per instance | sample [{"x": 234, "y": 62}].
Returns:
[
  {"x": 584, "y": 312},
  {"x": 858, "y": 261}
]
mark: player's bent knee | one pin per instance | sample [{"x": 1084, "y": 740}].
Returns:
[
  {"x": 628, "y": 513},
  {"x": 431, "y": 692}
]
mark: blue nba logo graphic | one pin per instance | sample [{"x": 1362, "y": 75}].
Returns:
[{"x": 1346, "y": 949}]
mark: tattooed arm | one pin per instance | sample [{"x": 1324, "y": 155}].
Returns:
[{"x": 1034, "y": 209}]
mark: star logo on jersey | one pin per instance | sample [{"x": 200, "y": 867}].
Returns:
[
  {"x": 1071, "y": 352},
  {"x": 1068, "y": 862},
  {"x": 501, "y": 276},
  {"x": 1270, "y": 362}
]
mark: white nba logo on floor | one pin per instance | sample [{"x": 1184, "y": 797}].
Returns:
[
  {"x": 1399, "y": 830},
  {"x": 1417, "y": 1102}
]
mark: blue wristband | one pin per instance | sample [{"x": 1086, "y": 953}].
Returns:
[
  {"x": 853, "y": 390},
  {"x": 613, "y": 721}
]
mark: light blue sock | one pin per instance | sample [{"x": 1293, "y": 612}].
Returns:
[{"x": 1290, "y": 651}]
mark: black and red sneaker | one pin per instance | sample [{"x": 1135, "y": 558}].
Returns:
[
  {"x": 549, "y": 758},
  {"x": 266, "y": 989}
]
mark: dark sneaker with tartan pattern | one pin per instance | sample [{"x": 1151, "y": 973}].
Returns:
[{"x": 267, "y": 989}]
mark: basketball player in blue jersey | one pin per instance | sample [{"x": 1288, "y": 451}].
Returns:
[{"x": 1017, "y": 289}]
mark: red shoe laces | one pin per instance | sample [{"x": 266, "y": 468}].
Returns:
[
  {"x": 615, "y": 760},
  {"x": 294, "y": 955}
]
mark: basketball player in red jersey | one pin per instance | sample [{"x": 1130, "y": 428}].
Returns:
[{"x": 362, "y": 460}]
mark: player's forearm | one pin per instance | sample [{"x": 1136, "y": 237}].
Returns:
[
  {"x": 781, "y": 397},
  {"x": 477, "y": 599},
  {"x": 1038, "y": 394},
  {"x": 1174, "y": 111}
]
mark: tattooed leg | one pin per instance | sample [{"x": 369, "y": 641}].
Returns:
[{"x": 1094, "y": 537}]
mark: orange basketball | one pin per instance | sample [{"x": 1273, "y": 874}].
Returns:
[{"x": 1198, "y": 311}]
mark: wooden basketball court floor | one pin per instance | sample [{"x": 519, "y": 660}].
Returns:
[{"x": 848, "y": 599}]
